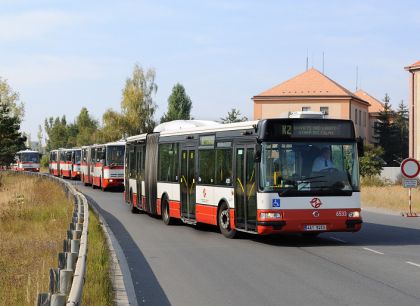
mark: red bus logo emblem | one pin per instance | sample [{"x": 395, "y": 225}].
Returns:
[{"x": 316, "y": 203}]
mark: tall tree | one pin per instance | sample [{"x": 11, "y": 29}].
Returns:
[
  {"x": 179, "y": 105},
  {"x": 87, "y": 128},
  {"x": 39, "y": 137},
  {"x": 11, "y": 139},
  {"x": 401, "y": 123},
  {"x": 10, "y": 98},
  {"x": 233, "y": 116},
  {"x": 137, "y": 105},
  {"x": 114, "y": 126},
  {"x": 57, "y": 131},
  {"x": 387, "y": 133}
]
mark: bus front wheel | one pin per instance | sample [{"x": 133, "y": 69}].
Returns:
[{"x": 225, "y": 222}]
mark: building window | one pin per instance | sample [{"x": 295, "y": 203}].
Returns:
[
  {"x": 360, "y": 117},
  {"x": 324, "y": 110},
  {"x": 306, "y": 108},
  {"x": 364, "y": 118},
  {"x": 355, "y": 116}
]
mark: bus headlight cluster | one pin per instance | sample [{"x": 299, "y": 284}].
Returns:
[
  {"x": 270, "y": 215},
  {"x": 354, "y": 214}
]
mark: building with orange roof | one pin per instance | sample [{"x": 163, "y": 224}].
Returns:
[
  {"x": 314, "y": 91},
  {"x": 375, "y": 108},
  {"x": 414, "y": 110}
]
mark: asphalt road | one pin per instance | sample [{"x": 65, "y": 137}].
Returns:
[{"x": 182, "y": 265}]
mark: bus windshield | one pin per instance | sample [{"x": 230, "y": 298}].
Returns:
[
  {"x": 115, "y": 155},
  {"x": 77, "y": 156},
  {"x": 298, "y": 169},
  {"x": 30, "y": 157}
]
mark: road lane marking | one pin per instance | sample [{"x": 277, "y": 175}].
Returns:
[
  {"x": 413, "y": 263},
  {"x": 338, "y": 239},
  {"x": 373, "y": 251}
]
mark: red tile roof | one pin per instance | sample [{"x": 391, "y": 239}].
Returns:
[
  {"x": 309, "y": 83},
  {"x": 376, "y": 106},
  {"x": 415, "y": 65}
]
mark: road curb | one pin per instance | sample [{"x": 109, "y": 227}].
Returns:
[{"x": 122, "y": 282}]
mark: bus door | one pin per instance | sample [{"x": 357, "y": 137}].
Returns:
[
  {"x": 245, "y": 188},
  {"x": 139, "y": 173},
  {"x": 188, "y": 183}
]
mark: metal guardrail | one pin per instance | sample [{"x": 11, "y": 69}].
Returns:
[{"x": 66, "y": 281}]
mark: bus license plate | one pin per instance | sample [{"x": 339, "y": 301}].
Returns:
[{"x": 322, "y": 227}]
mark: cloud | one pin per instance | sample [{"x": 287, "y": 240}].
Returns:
[{"x": 33, "y": 24}]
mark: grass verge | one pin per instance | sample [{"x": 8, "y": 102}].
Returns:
[
  {"x": 34, "y": 217},
  {"x": 98, "y": 287},
  {"x": 393, "y": 198}
]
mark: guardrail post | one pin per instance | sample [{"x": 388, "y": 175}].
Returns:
[
  {"x": 58, "y": 299},
  {"x": 66, "y": 278},
  {"x": 43, "y": 299},
  {"x": 54, "y": 279}
]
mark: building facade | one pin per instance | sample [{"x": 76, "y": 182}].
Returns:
[{"x": 414, "y": 110}]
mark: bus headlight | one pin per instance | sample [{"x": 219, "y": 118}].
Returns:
[
  {"x": 111, "y": 180},
  {"x": 270, "y": 215},
  {"x": 354, "y": 214}
]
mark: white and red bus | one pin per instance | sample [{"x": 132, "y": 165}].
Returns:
[
  {"x": 84, "y": 165},
  {"x": 54, "y": 163},
  {"x": 106, "y": 165},
  {"x": 65, "y": 163},
  {"x": 76, "y": 155},
  {"x": 263, "y": 177},
  {"x": 27, "y": 160}
]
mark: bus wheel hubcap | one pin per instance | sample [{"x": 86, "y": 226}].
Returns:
[{"x": 224, "y": 219}]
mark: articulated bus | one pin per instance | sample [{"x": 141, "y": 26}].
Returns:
[
  {"x": 65, "y": 163},
  {"x": 263, "y": 177},
  {"x": 75, "y": 164},
  {"x": 54, "y": 163},
  {"x": 27, "y": 160},
  {"x": 106, "y": 165},
  {"x": 84, "y": 165}
]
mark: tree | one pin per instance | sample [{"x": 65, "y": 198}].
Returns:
[
  {"x": 137, "y": 105},
  {"x": 401, "y": 123},
  {"x": 371, "y": 163},
  {"x": 39, "y": 137},
  {"x": 87, "y": 128},
  {"x": 57, "y": 131},
  {"x": 179, "y": 105},
  {"x": 387, "y": 133},
  {"x": 234, "y": 116},
  {"x": 114, "y": 126},
  {"x": 11, "y": 139},
  {"x": 10, "y": 98}
]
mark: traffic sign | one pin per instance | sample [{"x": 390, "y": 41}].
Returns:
[
  {"x": 410, "y": 183},
  {"x": 410, "y": 168}
]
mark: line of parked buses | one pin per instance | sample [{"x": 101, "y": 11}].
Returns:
[{"x": 262, "y": 177}]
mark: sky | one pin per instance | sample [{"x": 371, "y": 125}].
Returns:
[{"x": 64, "y": 55}]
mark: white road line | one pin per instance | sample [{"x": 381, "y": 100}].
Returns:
[
  {"x": 338, "y": 239},
  {"x": 373, "y": 251},
  {"x": 413, "y": 263}
]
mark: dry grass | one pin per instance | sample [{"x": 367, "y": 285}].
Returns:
[
  {"x": 34, "y": 216},
  {"x": 98, "y": 287},
  {"x": 393, "y": 198}
]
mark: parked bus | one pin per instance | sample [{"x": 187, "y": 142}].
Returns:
[
  {"x": 65, "y": 163},
  {"x": 27, "y": 160},
  {"x": 263, "y": 177},
  {"x": 106, "y": 165},
  {"x": 75, "y": 163},
  {"x": 84, "y": 166},
  {"x": 54, "y": 163}
]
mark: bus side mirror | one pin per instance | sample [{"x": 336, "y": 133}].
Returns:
[
  {"x": 257, "y": 158},
  {"x": 360, "y": 147}
]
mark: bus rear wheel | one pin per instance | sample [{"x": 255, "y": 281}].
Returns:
[
  {"x": 223, "y": 218},
  {"x": 166, "y": 217}
]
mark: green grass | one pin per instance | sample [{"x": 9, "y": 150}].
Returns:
[{"x": 98, "y": 287}]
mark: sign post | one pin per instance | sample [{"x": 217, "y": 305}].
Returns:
[{"x": 410, "y": 169}]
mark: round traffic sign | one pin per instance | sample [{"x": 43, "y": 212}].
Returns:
[{"x": 410, "y": 168}]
